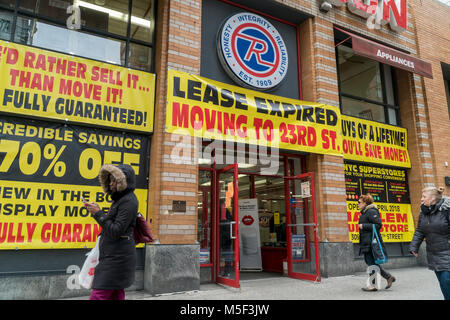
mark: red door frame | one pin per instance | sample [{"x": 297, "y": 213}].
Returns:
[
  {"x": 235, "y": 229},
  {"x": 290, "y": 261}
]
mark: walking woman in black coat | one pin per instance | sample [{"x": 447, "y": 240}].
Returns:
[
  {"x": 370, "y": 216},
  {"x": 117, "y": 261},
  {"x": 434, "y": 227}
]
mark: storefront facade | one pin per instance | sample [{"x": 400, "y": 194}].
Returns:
[{"x": 270, "y": 119}]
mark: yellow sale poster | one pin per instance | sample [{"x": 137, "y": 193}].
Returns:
[
  {"x": 56, "y": 86},
  {"x": 370, "y": 141},
  {"x": 45, "y": 169},
  {"x": 201, "y": 107}
]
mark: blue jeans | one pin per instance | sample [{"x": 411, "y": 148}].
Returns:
[{"x": 444, "y": 282}]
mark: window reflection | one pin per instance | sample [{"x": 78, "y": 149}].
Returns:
[
  {"x": 359, "y": 76},
  {"x": 105, "y": 26},
  {"x": 140, "y": 57},
  {"x": 362, "y": 109},
  {"x": 52, "y": 37},
  {"x": 6, "y": 21},
  {"x": 141, "y": 26}
]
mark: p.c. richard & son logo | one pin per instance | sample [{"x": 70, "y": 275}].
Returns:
[{"x": 252, "y": 51}]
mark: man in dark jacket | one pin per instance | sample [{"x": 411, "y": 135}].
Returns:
[
  {"x": 117, "y": 261},
  {"x": 434, "y": 227},
  {"x": 370, "y": 216}
]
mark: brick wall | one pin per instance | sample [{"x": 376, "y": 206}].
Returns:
[
  {"x": 179, "y": 47},
  {"x": 433, "y": 37},
  {"x": 173, "y": 164}
]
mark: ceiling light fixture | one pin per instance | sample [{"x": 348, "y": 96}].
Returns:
[{"x": 114, "y": 14}]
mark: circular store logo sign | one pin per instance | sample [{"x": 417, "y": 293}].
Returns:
[{"x": 252, "y": 51}]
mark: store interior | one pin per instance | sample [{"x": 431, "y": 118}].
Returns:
[{"x": 270, "y": 193}]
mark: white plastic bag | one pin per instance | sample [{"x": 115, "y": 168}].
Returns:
[{"x": 86, "y": 275}]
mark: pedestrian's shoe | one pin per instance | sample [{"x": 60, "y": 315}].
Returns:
[
  {"x": 369, "y": 289},
  {"x": 390, "y": 281}
]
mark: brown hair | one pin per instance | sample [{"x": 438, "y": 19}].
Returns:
[
  {"x": 367, "y": 199},
  {"x": 436, "y": 193}
]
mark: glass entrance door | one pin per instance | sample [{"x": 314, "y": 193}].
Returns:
[
  {"x": 227, "y": 259},
  {"x": 301, "y": 224}
]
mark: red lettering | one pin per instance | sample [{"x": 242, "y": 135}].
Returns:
[
  {"x": 180, "y": 118},
  {"x": 28, "y": 59},
  {"x": 45, "y": 232},
  {"x": 210, "y": 120},
  {"x": 87, "y": 234},
  {"x": 66, "y": 233},
  {"x": 228, "y": 124},
  {"x": 301, "y": 133},
  {"x": 398, "y": 19},
  {"x": 401, "y": 217},
  {"x": 56, "y": 232},
  {"x": 196, "y": 110},
  {"x": 30, "y": 230},
  {"x": 390, "y": 217},
  {"x": 20, "y": 238},
  {"x": 5, "y": 229},
  {"x": 242, "y": 131},
  {"x": 257, "y": 123},
  {"x": 11, "y": 236}
]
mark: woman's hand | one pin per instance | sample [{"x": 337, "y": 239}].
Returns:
[
  {"x": 415, "y": 254},
  {"x": 360, "y": 226},
  {"x": 92, "y": 207}
]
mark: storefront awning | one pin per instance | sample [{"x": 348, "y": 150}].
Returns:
[{"x": 375, "y": 51}]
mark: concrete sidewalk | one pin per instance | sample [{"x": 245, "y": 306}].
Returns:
[{"x": 416, "y": 283}]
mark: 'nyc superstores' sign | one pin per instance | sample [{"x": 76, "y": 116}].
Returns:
[{"x": 393, "y": 11}]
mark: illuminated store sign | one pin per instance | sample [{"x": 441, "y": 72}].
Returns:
[
  {"x": 393, "y": 11},
  {"x": 252, "y": 51}
]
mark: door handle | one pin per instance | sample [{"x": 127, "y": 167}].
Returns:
[{"x": 231, "y": 229}]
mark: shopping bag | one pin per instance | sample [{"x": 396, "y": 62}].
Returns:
[
  {"x": 377, "y": 248},
  {"x": 141, "y": 231},
  {"x": 86, "y": 275}
]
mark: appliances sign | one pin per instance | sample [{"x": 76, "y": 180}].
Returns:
[{"x": 252, "y": 51}]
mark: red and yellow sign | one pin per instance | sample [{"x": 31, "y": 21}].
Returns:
[
  {"x": 200, "y": 107},
  {"x": 51, "y": 216},
  {"x": 398, "y": 223},
  {"x": 45, "y": 170},
  {"x": 375, "y": 142},
  {"x": 56, "y": 86},
  {"x": 389, "y": 188}
]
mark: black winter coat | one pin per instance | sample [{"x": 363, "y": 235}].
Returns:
[
  {"x": 369, "y": 216},
  {"x": 434, "y": 227},
  {"x": 117, "y": 261}
]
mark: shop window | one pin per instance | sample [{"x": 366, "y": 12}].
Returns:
[
  {"x": 447, "y": 94},
  {"x": 112, "y": 31},
  {"x": 366, "y": 87},
  {"x": 49, "y": 36},
  {"x": 204, "y": 216},
  {"x": 446, "y": 75},
  {"x": 6, "y": 22}
]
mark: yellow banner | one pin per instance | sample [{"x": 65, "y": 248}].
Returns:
[
  {"x": 200, "y": 107},
  {"x": 398, "y": 223},
  {"x": 370, "y": 141},
  {"x": 51, "y": 216},
  {"x": 51, "y": 85},
  {"x": 45, "y": 169}
]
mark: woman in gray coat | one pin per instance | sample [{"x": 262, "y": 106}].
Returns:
[
  {"x": 117, "y": 261},
  {"x": 434, "y": 227}
]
